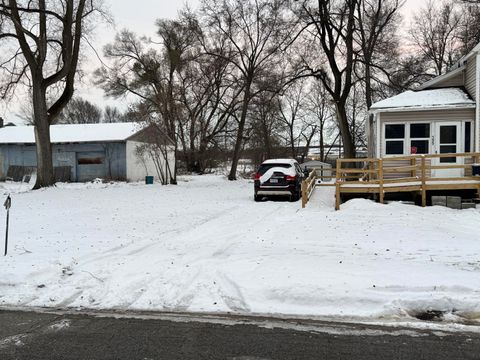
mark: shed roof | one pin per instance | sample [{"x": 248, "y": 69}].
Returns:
[
  {"x": 426, "y": 99},
  {"x": 72, "y": 133},
  {"x": 315, "y": 163}
]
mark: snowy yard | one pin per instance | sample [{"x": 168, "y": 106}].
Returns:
[{"x": 205, "y": 245}]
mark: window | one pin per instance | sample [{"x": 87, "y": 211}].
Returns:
[
  {"x": 448, "y": 142},
  {"x": 410, "y": 138},
  {"x": 419, "y": 131},
  {"x": 394, "y": 139},
  {"x": 265, "y": 167},
  {"x": 90, "y": 161},
  {"x": 419, "y": 146},
  {"x": 468, "y": 137},
  {"x": 419, "y": 138},
  {"x": 394, "y": 148},
  {"x": 395, "y": 131}
]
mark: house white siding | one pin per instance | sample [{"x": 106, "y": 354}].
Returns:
[
  {"x": 431, "y": 116},
  {"x": 138, "y": 169},
  {"x": 471, "y": 76},
  {"x": 457, "y": 80}
]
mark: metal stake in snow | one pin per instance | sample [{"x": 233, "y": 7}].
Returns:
[{"x": 7, "y": 204}]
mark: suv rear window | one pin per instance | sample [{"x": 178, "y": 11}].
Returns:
[{"x": 265, "y": 167}]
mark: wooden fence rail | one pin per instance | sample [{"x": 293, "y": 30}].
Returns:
[
  {"x": 404, "y": 173},
  {"x": 308, "y": 186}
]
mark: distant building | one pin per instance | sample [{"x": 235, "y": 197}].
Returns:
[
  {"x": 83, "y": 152},
  {"x": 322, "y": 168}
]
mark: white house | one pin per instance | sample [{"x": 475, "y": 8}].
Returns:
[{"x": 442, "y": 116}]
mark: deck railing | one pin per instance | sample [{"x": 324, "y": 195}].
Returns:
[
  {"x": 404, "y": 173},
  {"x": 308, "y": 186}
]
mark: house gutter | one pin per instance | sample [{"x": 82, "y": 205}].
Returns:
[
  {"x": 477, "y": 100},
  {"x": 418, "y": 108}
]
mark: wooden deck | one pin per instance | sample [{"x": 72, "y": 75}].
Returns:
[{"x": 402, "y": 174}]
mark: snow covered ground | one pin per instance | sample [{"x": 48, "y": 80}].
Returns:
[{"x": 205, "y": 245}]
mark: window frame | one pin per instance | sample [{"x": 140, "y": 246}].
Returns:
[
  {"x": 407, "y": 140},
  {"x": 385, "y": 140},
  {"x": 428, "y": 139}
]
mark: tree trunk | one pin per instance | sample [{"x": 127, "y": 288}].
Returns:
[
  {"x": 45, "y": 173},
  {"x": 368, "y": 98},
  {"x": 322, "y": 149},
  {"x": 292, "y": 142},
  {"x": 348, "y": 145},
  {"x": 241, "y": 127}
]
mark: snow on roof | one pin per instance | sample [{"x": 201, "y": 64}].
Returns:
[
  {"x": 71, "y": 133},
  {"x": 280, "y": 161},
  {"x": 315, "y": 162},
  {"x": 426, "y": 99}
]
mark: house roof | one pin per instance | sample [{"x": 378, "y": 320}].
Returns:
[
  {"x": 315, "y": 163},
  {"x": 71, "y": 133},
  {"x": 443, "y": 77},
  {"x": 426, "y": 99}
]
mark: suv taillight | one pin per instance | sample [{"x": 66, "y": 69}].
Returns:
[
  {"x": 290, "y": 178},
  {"x": 257, "y": 176}
]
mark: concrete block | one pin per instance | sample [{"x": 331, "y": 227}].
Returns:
[
  {"x": 439, "y": 201},
  {"x": 454, "y": 202},
  {"x": 469, "y": 206}
]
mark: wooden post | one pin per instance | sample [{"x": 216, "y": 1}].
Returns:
[
  {"x": 424, "y": 190},
  {"x": 476, "y": 160},
  {"x": 380, "y": 178},
  {"x": 304, "y": 194},
  {"x": 413, "y": 162},
  {"x": 337, "y": 196},
  {"x": 7, "y": 204},
  {"x": 337, "y": 185}
]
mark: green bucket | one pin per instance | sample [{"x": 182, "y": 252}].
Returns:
[{"x": 149, "y": 180}]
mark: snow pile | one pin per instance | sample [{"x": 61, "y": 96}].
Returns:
[
  {"x": 205, "y": 245},
  {"x": 426, "y": 99},
  {"x": 277, "y": 169}
]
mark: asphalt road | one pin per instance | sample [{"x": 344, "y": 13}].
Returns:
[{"x": 29, "y": 335}]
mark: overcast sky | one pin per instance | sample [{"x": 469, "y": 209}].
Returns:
[{"x": 141, "y": 19}]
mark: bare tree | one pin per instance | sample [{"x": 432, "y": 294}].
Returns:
[
  {"x": 111, "y": 114},
  {"x": 321, "y": 111},
  {"x": 41, "y": 43},
  {"x": 377, "y": 42},
  {"x": 255, "y": 33},
  {"x": 266, "y": 127},
  {"x": 208, "y": 95},
  {"x": 331, "y": 26},
  {"x": 292, "y": 108},
  {"x": 80, "y": 111},
  {"x": 435, "y": 31},
  {"x": 149, "y": 71},
  {"x": 470, "y": 24}
]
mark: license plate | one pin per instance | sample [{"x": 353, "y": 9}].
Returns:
[{"x": 273, "y": 181}]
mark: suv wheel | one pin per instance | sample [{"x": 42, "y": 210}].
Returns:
[
  {"x": 295, "y": 196},
  {"x": 257, "y": 198}
]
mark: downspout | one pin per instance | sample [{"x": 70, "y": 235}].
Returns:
[
  {"x": 378, "y": 135},
  {"x": 477, "y": 105}
]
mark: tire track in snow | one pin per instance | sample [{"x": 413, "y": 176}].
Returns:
[{"x": 220, "y": 284}]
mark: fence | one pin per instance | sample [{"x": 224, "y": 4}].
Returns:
[{"x": 406, "y": 173}]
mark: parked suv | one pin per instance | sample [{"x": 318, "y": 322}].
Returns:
[{"x": 278, "y": 177}]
